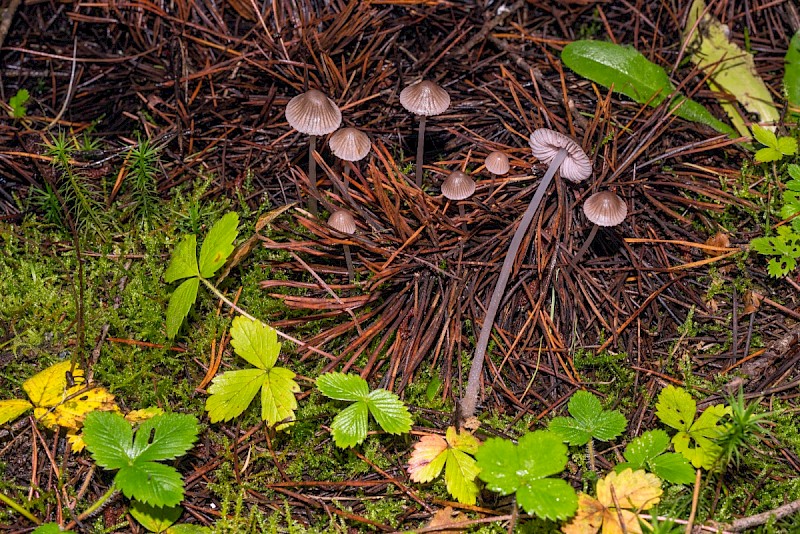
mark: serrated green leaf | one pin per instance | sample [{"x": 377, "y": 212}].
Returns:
[
  {"x": 48, "y": 528},
  {"x": 151, "y": 483},
  {"x": 778, "y": 267},
  {"x": 765, "y": 137},
  {"x": 255, "y": 342},
  {"x": 342, "y": 386},
  {"x": 794, "y": 171},
  {"x": 532, "y": 463},
  {"x": 164, "y": 437},
  {"x": 463, "y": 441},
  {"x": 389, "y": 411},
  {"x": 498, "y": 463},
  {"x": 791, "y": 73},
  {"x": 109, "y": 438},
  {"x": 154, "y": 518},
  {"x": 180, "y": 303},
  {"x": 763, "y": 245},
  {"x": 232, "y": 392},
  {"x": 549, "y": 498},
  {"x": 676, "y": 408},
  {"x": 588, "y": 421},
  {"x": 768, "y": 154},
  {"x": 673, "y": 468},
  {"x": 459, "y": 476},
  {"x": 787, "y": 146},
  {"x": 278, "y": 402},
  {"x": 570, "y": 430},
  {"x": 633, "y": 75},
  {"x": 183, "y": 263},
  {"x": 696, "y": 443},
  {"x": 646, "y": 447},
  {"x": 218, "y": 244},
  {"x": 349, "y": 427}
]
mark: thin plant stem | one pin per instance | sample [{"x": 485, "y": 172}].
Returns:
[
  {"x": 695, "y": 499},
  {"x": 312, "y": 175},
  {"x": 590, "y": 455},
  {"x": 349, "y": 259},
  {"x": 420, "y": 148},
  {"x": 585, "y": 246},
  {"x": 346, "y": 174},
  {"x": 470, "y": 400},
  {"x": 19, "y": 509},
  {"x": 463, "y": 215}
]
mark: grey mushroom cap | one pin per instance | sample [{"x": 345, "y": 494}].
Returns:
[
  {"x": 605, "y": 209},
  {"x": 425, "y": 98},
  {"x": 458, "y": 186},
  {"x": 545, "y": 144},
  {"x": 313, "y": 113},
  {"x": 497, "y": 163},
  {"x": 350, "y": 144},
  {"x": 342, "y": 221}
]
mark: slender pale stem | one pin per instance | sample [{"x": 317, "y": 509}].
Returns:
[
  {"x": 349, "y": 259},
  {"x": 470, "y": 400},
  {"x": 463, "y": 215},
  {"x": 420, "y": 148},
  {"x": 346, "y": 173},
  {"x": 312, "y": 175}
]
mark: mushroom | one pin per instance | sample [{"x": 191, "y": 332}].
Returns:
[
  {"x": 562, "y": 154},
  {"x": 497, "y": 163},
  {"x": 458, "y": 186},
  {"x": 314, "y": 114},
  {"x": 349, "y": 144},
  {"x": 605, "y": 209},
  {"x": 342, "y": 221},
  {"x": 424, "y": 99}
]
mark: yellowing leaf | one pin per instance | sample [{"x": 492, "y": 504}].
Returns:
[
  {"x": 448, "y": 516},
  {"x": 138, "y": 416},
  {"x": 589, "y": 517},
  {"x": 76, "y": 440},
  {"x": 730, "y": 68},
  {"x": 11, "y": 409},
  {"x": 636, "y": 490},
  {"x": 71, "y": 412},
  {"x": 432, "y": 453},
  {"x": 427, "y": 459},
  {"x": 49, "y": 387}
]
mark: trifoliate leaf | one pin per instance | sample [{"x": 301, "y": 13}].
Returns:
[
  {"x": 255, "y": 342},
  {"x": 646, "y": 447},
  {"x": 765, "y": 137},
  {"x": 588, "y": 421},
  {"x": 432, "y": 453},
  {"x": 428, "y": 458},
  {"x": 278, "y": 402},
  {"x": 151, "y": 483},
  {"x": 183, "y": 263},
  {"x": 344, "y": 387},
  {"x": 768, "y": 154},
  {"x": 349, "y": 427},
  {"x": 676, "y": 408},
  {"x": 218, "y": 244},
  {"x": 389, "y": 411},
  {"x": 232, "y": 392},
  {"x": 13, "y": 408},
  {"x": 164, "y": 437},
  {"x": 48, "y": 388},
  {"x": 648, "y": 451},
  {"x": 154, "y": 518},
  {"x": 507, "y": 468},
  {"x": 180, "y": 303},
  {"x": 109, "y": 438}
]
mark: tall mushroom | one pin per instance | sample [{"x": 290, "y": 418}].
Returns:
[
  {"x": 342, "y": 221},
  {"x": 562, "y": 154},
  {"x": 458, "y": 186},
  {"x": 314, "y": 114},
  {"x": 349, "y": 144},
  {"x": 424, "y": 99},
  {"x": 604, "y": 208}
]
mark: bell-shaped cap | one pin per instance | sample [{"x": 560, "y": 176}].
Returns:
[
  {"x": 425, "y": 98},
  {"x": 497, "y": 163},
  {"x": 458, "y": 186},
  {"x": 342, "y": 221},
  {"x": 313, "y": 113},
  {"x": 605, "y": 209},
  {"x": 546, "y": 143},
  {"x": 350, "y": 144}
]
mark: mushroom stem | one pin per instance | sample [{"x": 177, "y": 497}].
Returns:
[
  {"x": 585, "y": 246},
  {"x": 463, "y": 213},
  {"x": 312, "y": 175},
  {"x": 470, "y": 400},
  {"x": 420, "y": 148},
  {"x": 348, "y": 258},
  {"x": 346, "y": 173}
]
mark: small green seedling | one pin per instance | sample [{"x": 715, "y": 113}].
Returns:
[
  {"x": 455, "y": 453},
  {"x": 776, "y": 147},
  {"x": 162, "y": 519},
  {"x": 18, "y": 102},
  {"x": 649, "y": 451},
  {"x": 786, "y": 244},
  {"x": 589, "y": 421},
  {"x": 742, "y": 429},
  {"x": 216, "y": 248},
  {"x": 233, "y": 391},
  {"x": 695, "y": 439},
  {"x": 525, "y": 469},
  {"x": 350, "y": 425},
  {"x": 111, "y": 441}
]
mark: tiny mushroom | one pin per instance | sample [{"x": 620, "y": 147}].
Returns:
[
  {"x": 562, "y": 154},
  {"x": 424, "y": 99},
  {"x": 497, "y": 163},
  {"x": 314, "y": 114},
  {"x": 458, "y": 186},
  {"x": 603, "y": 208},
  {"x": 342, "y": 221},
  {"x": 349, "y": 144}
]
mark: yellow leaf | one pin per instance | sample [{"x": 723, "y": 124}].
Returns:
[
  {"x": 70, "y": 413},
  {"x": 589, "y": 517},
  {"x": 427, "y": 460},
  {"x": 138, "y": 416},
  {"x": 76, "y": 440},
  {"x": 448, "y": 516},
  {"x": 49, "y": 387},
  {"x": 635, "y": 490},
  {"x": 11, "y": 409}
]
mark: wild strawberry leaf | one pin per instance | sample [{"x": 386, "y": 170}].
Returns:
[
  {"x": 588, "y": 421},
  {"x": 389, "y": 411},
  {"x": 13, "y": 408},
  {"x": 183, "y": 263},
  {"x": 255, "y": 342},
  {"x": 155, "y": 518},
  {"x": 278, "y": 401},
  {"x": 180, "y": 303},
  {"x": 349, "y": 427},
  {"x": 343, "y": 387},
  {"x": 432, "y": 453},
  {"x": 218, "y": 244},
  {"x": 427, "y": 459},
  {"x": 459, "y": 476},
  {"x": 151, "y": 483},
  {"x": 765, "y": 155},
  {"x": 648, "y": 451},
  {"x": 672, "y": 467},
  {"x": 765, "y": 137},
  {"x": 787, "y": 146},
  {"x": 109, "y": 438},
  {"x": 232, "y": 392}
]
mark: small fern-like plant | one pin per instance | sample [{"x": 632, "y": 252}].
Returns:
[
  {"x": 142, "y": 171},
  {"x": 743, "y": 428},
  {"x": 785, "y": 245}
]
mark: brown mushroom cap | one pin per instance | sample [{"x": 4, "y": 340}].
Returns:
[
  {"x": 425, "y": 98},
  {"x": 546, "y": 143},
  {"x": 605, "y": 209},
  {"x": 342, "y": 221},
  {"x": 313, "y": 113},
  {"x": 350, "y": 144},
  {"x": 497, "y": 163},
  {"x": 458, "y": 186}
]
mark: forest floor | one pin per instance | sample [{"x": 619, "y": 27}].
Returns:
[{"x": 167, "y": 115}]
